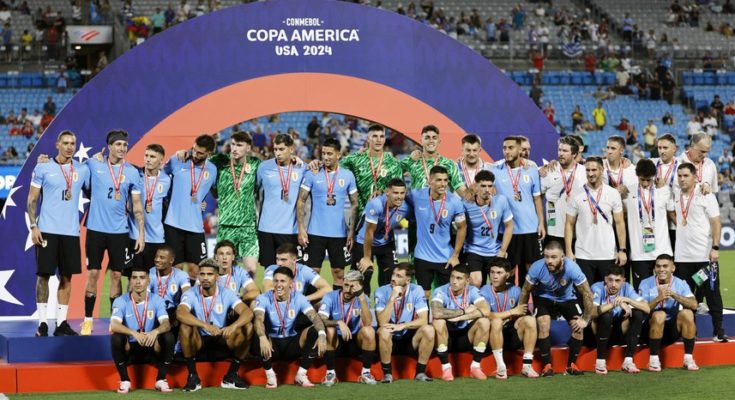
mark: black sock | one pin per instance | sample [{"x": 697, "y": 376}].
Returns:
[
  {"x": 476, "y": 355},
  {"x": 368, "y": 276},
  {"x": 234, "y": 367},
  {"x": 118, "y": 355},
  {"x": 544, "y": 347},
  {"x": 307, "y": 356},
  {"x": 688, "y": 346},
  {"x": 443, "y": 357},
  {"x": 367, "y": 358},
  {"x": 574, "y": 346},
  {"x": 167, "y": 341},
  {"x": 267, "y": 364},
  {"x": 89, "y": 305},
  {"x": 191, "y": 365},
  {"x": 387, "y": 368},
  {"x": 420, "y": 368},
  {"x": 528, "y": 361},
  {"x": 634, "y": 332},
  {"x": 655, "y": 346},
  {"x": 604, "y": 328},
  {"x": 329, "y": 359}
]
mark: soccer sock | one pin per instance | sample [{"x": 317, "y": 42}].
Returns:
[
  {"x": 654, "y": 345},
  {"x": 688, "y": 346},
  {"x": 89, "y": 301},
  {"x": 234, "y": 367},
  {"x": 306, "y": 352},
  {"x": 191, "y": 365},
  {"x": 634, "y": 332},
  {"x": 498, "y": 354},
  {"x": 267, "y": 364},
  {"x": 302, "y": 371},
  {"x": 574, "y": 346},
  {"x": 478, "y": 352},
  {"x": 444, "y": 358},
  {"x": 41, "y": 307},
  {"x": 544, "y": 347},
  {"x": 368, "y": 276},
  {"x": 118, "y": 355},
  {"x": 61, "y": 311},
  {"x": 604, "y": 328},
  {"x": 420, "y": 368},
  {"x": 367, "y": 359},
  {"x": 527, "y": 359},
  {"x": 329, "y": 359},
  {"x": 387, "y": 368},
  {"x": 167, "y": 341}
]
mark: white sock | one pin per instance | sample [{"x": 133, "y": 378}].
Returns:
[
  {"x": 270, "y": 371},
  {"x": 600, "y": 362},
  {"x": 446, "y": 367},
  {"x": 365, "y": 371},
  {"x": 688, "y": 357},
  {"x": 61, "y": 311},
  {"x": 88, "y": 319},
  {"x": 301, "y": 371},
  {"x": 41, "y": 312},
  {"x": 475, "y": 364},
  {"x": 653, "y": 359},
  {"x": 628, "y": 360},
  {"x": 498, "y": 354}
]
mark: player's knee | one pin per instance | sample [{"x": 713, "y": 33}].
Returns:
[
  {"x": 115, "y": 276},
  {"x": 658, "y": 318},
  {"x": 331, "y": 332},
  {"x": 367, "y": 333},
  {"x": 439, "y": 324},
  {"x": 428, "y": 332},
  {"x": 529, "y": 323},
  {"x": 686, "y": 316},
  {"x": 384, "y": 334},
  {"x": 483, "y": 324},
  {"x": 496, "y": 324}
]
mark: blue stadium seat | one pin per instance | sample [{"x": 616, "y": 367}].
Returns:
[
  {"x": 688, "y": 78},
  {"x": 709, "y": 78}
]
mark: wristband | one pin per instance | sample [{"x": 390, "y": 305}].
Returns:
[
  {"x": 717, "y": 248},
  {"x": 322, "y": 333},
  {"x": 33, "y": 226},
  {"x": 622, "y": 249}
]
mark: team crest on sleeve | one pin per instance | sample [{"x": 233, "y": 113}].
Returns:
[
  {"x": 493, "y": 214},
  {"x": 595, "y": 295},
  {"x": 219, "y": 308},
  {"x": 341, "y": 183},
  {"x": 150, "y": 314},
  {"x": 526, "y": 178},
  {"x": 445, "y": 213},
  {"x": 323, "y": 307},
  {"x": 115, "y": 310},
  {"x": 292, "y": 313},
  {"x": 372, "y": 212},
  {"x": 299, "y": 286}
]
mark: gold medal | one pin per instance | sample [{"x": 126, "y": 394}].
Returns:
[
  {"x": 331, "y": 201},
  {"x": 684, "y": 222},
  {"x": 117, "y": 196},
  {"x": 194, "y": 198},
  {"x": 594, "y": 219},
  {"x": 518, "y": 196},
  {"x": 67, "y": 195}
]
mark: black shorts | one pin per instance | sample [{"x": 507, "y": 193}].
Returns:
[
  {"x": 671, "y": 331},
  {"x": 524, "y": 249},
  {"x": 403, "y": 344},
  {"x": 285, "y": 348},
  {"x": 339, "y": 256},
  {"x": 641, "y": 270},
  {"x": 348, "y": 348},
  {"x": 567, "y": 309},
  {"x": 146, "y": 259},
  {"x": 213, "y": 348},
  {"x": 511, "y": 340},
  {"x": 189, "y": 247},
  {"x": 426, "y": 271},
  {"x": 459, "y": 340},
  {"x": 595, "y": 270},
  {"x": 141, "y": 355},
  {"x": 116, "y": 245},
  {"x": 477, "y": 263},
  {"x": 269, "y": 242},
  {"x": 385, "y": 256},
  {"x": 60, "y": 251}
]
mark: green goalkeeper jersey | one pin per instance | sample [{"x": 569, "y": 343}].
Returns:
[
  {"x": 419, "y": 171},
  {"x": 236, "y": 207},
  {"x": 371, "y": 173}
]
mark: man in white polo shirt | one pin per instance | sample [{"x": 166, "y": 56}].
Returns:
[
  {"x": 666, "y": 166},
  {"x": 590, "y": 217},
  {"x": 706, "y": 169},
  {"x": 619, "y": 172},
  {"x": 647, "y": 222},
  {"x": 698, "y": 234}
]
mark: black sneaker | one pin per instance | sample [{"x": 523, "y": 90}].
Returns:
[
  {"x": 574, "y": 370},
  {"x": 193, "y": 383},
  {"x": 422, "y": 377},
  {"x": 42, "y": 330},
  {"x": 722, "y": 337},
  {"x": 233, "y": 381},
  {"x": 64, "y": 330}
]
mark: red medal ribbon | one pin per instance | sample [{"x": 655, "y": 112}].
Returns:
[
  {"x": 426, "y": 167},
  {"x": 469, "y": 179},
  {"x": 668, "y": 171},
  {"x": 282, "y": 316},
  {"x": 515, "y": 182},
  {"x": 206, "y": 312},
  {"x": 346, "y": 317},
  {"x": 116, "y": 182},
  {"x": 437, "y": 217},
  {"x": 482, "y": 212},
  {"x": 141, "y": 321},
  {"x": 388, "y": 216},
  {"x": 398, "y": 309},
  {"x": 195, "y": 186},
  {"x": 699, "y": 167},
  {"x": 330, "y": 185},
  {"x": 285, "y": 182},
  {"x": 463, "y": 305},
  {"x": 497, "y": 299},
  {"x": 685, "y": 211},
  {"x": 619, "y": 180},
  {"x": 593, "y": 209},
  {"x": 237, "y": 182},
  {"x": 162, "y": 288},
  {"x": 68, "y": 178},
  {"x": 647, "y": 204},
  {"x": 568, "y": 183},
  {"x": 376, "y": 172},
  {"x": 150, "y": 190},
  {"x": 661, "y": 303}
]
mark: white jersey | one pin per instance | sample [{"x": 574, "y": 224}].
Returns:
[
  {"x": 706, "y": 172},
  {"x": 595, "y": 235},
  {"x": 694, "y": 237},
  {"x": 648, "y": 229},
  {"x": 613, "y": 177},
  {"x": 557, "y": 198}
]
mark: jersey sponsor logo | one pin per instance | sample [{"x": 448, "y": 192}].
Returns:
[
  {"x": 493, "y": 214},
  {"x": 526, "y": 178},
  {"x": 150, "y": 314},
  {"x": 341, "y": 183},
  {"x": 292, "y": 313},
  {"x": 219, "y": 308}
]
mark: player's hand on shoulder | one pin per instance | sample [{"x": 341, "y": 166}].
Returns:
[
  {"x": 100, "y": 155},
  {"x": 43, "y": 158},
  {"x": 182, "y": 155},
  {"x": 416, "y": 155}
]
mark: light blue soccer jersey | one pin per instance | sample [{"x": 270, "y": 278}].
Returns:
[
  {"x": 600, "y": 296},
  {"x": 555, "y": 287},
  {"x": 124, "y": 311},
  {"x": 236, "y": 280},
  {"x": 169, "y": 287},
  {"x": 649, "y": 290},
  {"x": 481, "y": 239},
  {"x": 333, "y": 308},
  {"x": 375, "y": 214},
  {"x": 405, "y": 308},
  {"x": 444, "y": 296},
  {"x": 504, "y": 301},
  {"x": 183, "y": 213},
  {"x": 280, "y": 316},
  {"x": 217, "y": 306},
  {"x": 58, "y": 215},
  {"x": 153, "y": 219},
  {"x": 328, "y": 217},
  {"x": 434, "y": 227},
  {"x": 106, "y": 214},
  {"x": 278, "y": 215},
  {"x": 303, "y": 277},
  {"x": 525, "y": 219}
]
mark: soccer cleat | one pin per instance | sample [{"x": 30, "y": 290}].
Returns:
[
  {"x": 600, "y": 367},
  {"x": 702, "y": 309},
  {"x": 42, "y": 330},
  {"x": 721, "y": 337},
  {"x": 574, "y": 370},
  {"x": 270, "y": 379},
  {"x": 630, "y": 368},
  {"x": 447, "y": 375},
  {"x": 422, "y": 377},
  {"x": 501, "y": 373},
  {"x": 548, "y": 371},
  {"x": 330, "y": 379},
  {"x": 387, "y": 378},
  {"x": 654, "y": 365},
  {"x": 162, "y": 386},
  {"x": 367, "y": 378},
  {"x": 193, "y": 383},
  {"x": 64, "y": 330},
  {"x": 477, "y": 373},
  {"x": 303, "y": 381},
  {"x": 86, "y": 328},
  {"x": 233, "y": 381},
  {"x": 529, "y": 372},
  {"x": 124, "y": 387},
  {"x": 690, "y": 365}
]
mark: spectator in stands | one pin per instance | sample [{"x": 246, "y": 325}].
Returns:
[
  {"x": 542, "y": 33},
  {"x": 649, "y": 39},
  {"x": 170, "y": 16},
  {"x": 536, "y": 93},
  {"x": 599, "y": 94},
  {"x": 631, "y": 137},
  {"x": 519, "y": 17},
  {"x": 158, "y": 21},
  {"x": 490, "y": 29},
  {"x": 717, "y": 105},
  {"x": 538, "y": 59},
  {"x": 183, "y": 12},
  {"x": 728, "y": 7},
  {"x": 729, "y": 108},
  {"x": 622, "y": 77},
  {"x": 7, "y": 36},
  {"x": 628, "y": 28},
  {"x": 577, "y": 117},
  {"x": 725, "y": 160},
  {"x": 27, "y": 129},
  {"x": 600, "y": 116},
  {"x": 667, "y": 119},
  {"x": 11, "y": 118},
  {"x": 623, "y": 125},
  {"x": 504, "y": 28},
  {"x": 31, "y": 145},
  {"x": 668, "y": 85},
  {"x": 650, "y": 132},
  {"x": 10, "y": 155},
  {"x": 200, "y": 8},
  {"x": 710, "y": 125},
  {"x": 23, "y": 116},
  {"x": 24, "y": 8},
  {"x": 694, "y": 126},
  {"x": 590, "y": 62},
  {"x": 26, "y": 39},
  {"x": 35, "y": 118},
  {"x": 46, "y": 119},
  {"x": 549, "y": 112}
]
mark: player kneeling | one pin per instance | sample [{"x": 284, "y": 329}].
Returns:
[
  {"x": 620, "y": 311},
  {"x": 672, "y": 312},
  {"x": 510, "y": 328},
  {"x": 141, "y": 331},
  {"x": 403, "y": 318},
  {"x": 346, "y": 314},
  {"x": 202, "y": 315},
  {"x": 275, "y": 325},
  {"x": 461, "y": 321}
]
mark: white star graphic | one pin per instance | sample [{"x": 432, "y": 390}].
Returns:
[
  {"x": 82, "y": 153},
  {"x": 9, "y": 202},
  {"x": 4, "y": 294},
  {"x": 29, "y": 240},
  {"x": 82, "y": 201}
]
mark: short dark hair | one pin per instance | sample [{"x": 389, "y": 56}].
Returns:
[
  {"x": 65, "y": 133},
  {"x": 429, "y": 128},
  {"x": 376, "y": 127},
  {"x": 617, "y": 139},
  {"x": 225, "y": 243},
  {"x": 512, "y": 139},
  {"x": 242, "y": 137},
  {"x": 501, "y": 262},
  {"x": 668, "y": 137},
  {"x": 665, "y": 256},
  {"x": 471, "y": 139},
  {"x": 553, "y": 245},
  {"x": 115, "y": 135},
  {"x": 484, "y": 175},
  {"x": 462, "y": 269},
  {"x": 139, "y": 268},
  {"x": 689, "y": 166},
  {"x": 209, "y": 263},
  {"x": 616, "y": 270},
  {"x": 438, "y": 169},
  {"x": 594, "y": 159},
  {"x": 170, "y": 250},
  {"x": 284, "y": 271},
  {"x": 406, "y": 267},
  {"x": 283, "y": 138},
  {"x": 206, "y": 142},
  {"x": 396, "y": 182},
  {"x": 288, "y": 248},
  {"x": 333, "y": 143},
  {"x": 645, "y": 168},
  {"x": 155, "y": 147},
  {"x": 572, "y": 143}
]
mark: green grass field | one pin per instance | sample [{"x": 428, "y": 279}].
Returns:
[{"x": 712, "y": 383}]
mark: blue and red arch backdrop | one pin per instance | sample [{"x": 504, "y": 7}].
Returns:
[{"x": 205, "y": 75}]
